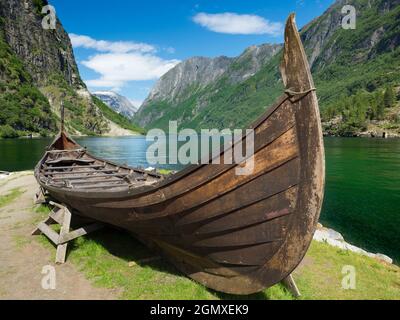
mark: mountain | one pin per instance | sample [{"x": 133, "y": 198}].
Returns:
[
  {"x": 355, "y": 59},
  {"x": 352, "y": 70},
  {"x": 197, "y": 71},
  {"x": 37, "y": 72},
  {"x": 118, "y": 103},
  {"x": 184, "y": 92}
]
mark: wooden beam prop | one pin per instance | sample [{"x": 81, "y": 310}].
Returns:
[
  {"x": 62, "y": 216},
  {"x": 291, "y": 286},
  {"x": 39, "y": 197}
]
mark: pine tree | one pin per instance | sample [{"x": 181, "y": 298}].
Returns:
[
  {"x": 374, "y": 109},
  {"x": 380, "y": 105},
  {"x": 388, "y": 98}
]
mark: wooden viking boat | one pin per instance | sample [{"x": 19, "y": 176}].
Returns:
[{"x": 235, "y": 234}]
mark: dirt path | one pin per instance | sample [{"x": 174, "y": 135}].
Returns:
[{"x": 22, "y": 258}]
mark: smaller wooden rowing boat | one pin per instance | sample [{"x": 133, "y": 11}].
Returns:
[{"x": 236, "y": 234}]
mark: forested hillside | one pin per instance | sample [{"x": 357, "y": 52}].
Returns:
[
  {"x": 353, "y": 70},
  {"x": 37, "y": 72}
]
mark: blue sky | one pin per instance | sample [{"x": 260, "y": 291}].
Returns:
[{"x": 126, "y": 45}]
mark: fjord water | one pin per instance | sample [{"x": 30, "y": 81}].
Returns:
[{"x": 362, "y": 197}]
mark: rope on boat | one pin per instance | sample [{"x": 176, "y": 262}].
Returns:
[{"x": 292, "y": 93}]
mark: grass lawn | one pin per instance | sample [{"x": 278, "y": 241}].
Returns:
[
  {"x": 10, "y": 197},
  {"x": 114, "y": 259}
]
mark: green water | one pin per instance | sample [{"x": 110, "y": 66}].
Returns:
[{"x": 362, "y": 198}]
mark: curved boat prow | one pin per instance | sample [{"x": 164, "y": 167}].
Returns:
[
  {"x": 295, "y": 69},
  {"x": 63, "y": 142}
]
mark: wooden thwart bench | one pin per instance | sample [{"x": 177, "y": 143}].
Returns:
[{"x": 62, "y": 216}]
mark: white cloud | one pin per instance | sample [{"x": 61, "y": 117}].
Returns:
[
  {"x": 118, "y": 68},
  {"x": 120, "y": 62},
  {"x": 81, "y": 41},
  {"x": 170, "y": 50},
  {"x": 233, "y": 23}
]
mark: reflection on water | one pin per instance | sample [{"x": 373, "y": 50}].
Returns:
[{"x": 362, "y": 191}]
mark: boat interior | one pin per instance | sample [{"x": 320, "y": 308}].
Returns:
[{"x": 68, "y": 165}]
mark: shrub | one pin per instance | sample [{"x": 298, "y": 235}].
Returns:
[{"x": 7, "y": 132}]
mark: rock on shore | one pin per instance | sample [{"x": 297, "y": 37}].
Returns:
[
  {"x": 335, "y": 239},
  {"x": 4, "y": 174}
]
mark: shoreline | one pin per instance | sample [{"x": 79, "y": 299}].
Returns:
[
  {"x": 363, "y": 136},
  {"x": 325, "y": 135},
  {"x": 336, "y": 239},
  {"x": 373, "y": 132},
  {"x": 74, "y": 136}
]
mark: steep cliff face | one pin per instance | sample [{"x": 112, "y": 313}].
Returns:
[
  {"x": 251, "y": 61},
  {"x": 38, "y": 71},
  {"x": 347, "y": 62},
  {"x": 317, "y": 34},
  {"x": 326, "y": 42},
  {"x": 44, "y": 52},
  {"x": 344, "y": 63},
  {"x": 194, "y": 73},
  {"x": 189, "y": 83}
]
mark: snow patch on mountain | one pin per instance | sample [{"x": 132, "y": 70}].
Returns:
[{"x": 118, "y": 103}]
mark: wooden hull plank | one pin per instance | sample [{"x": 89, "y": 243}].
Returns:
[
  {"x": 267, "y": 185},
  {"x": 265, "y": 210}
]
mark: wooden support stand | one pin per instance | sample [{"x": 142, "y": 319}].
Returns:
[
  {"x": 40, "y": 197},
  {"x": 290, "y": 284},
  {"x": 62, "y": 216}
]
